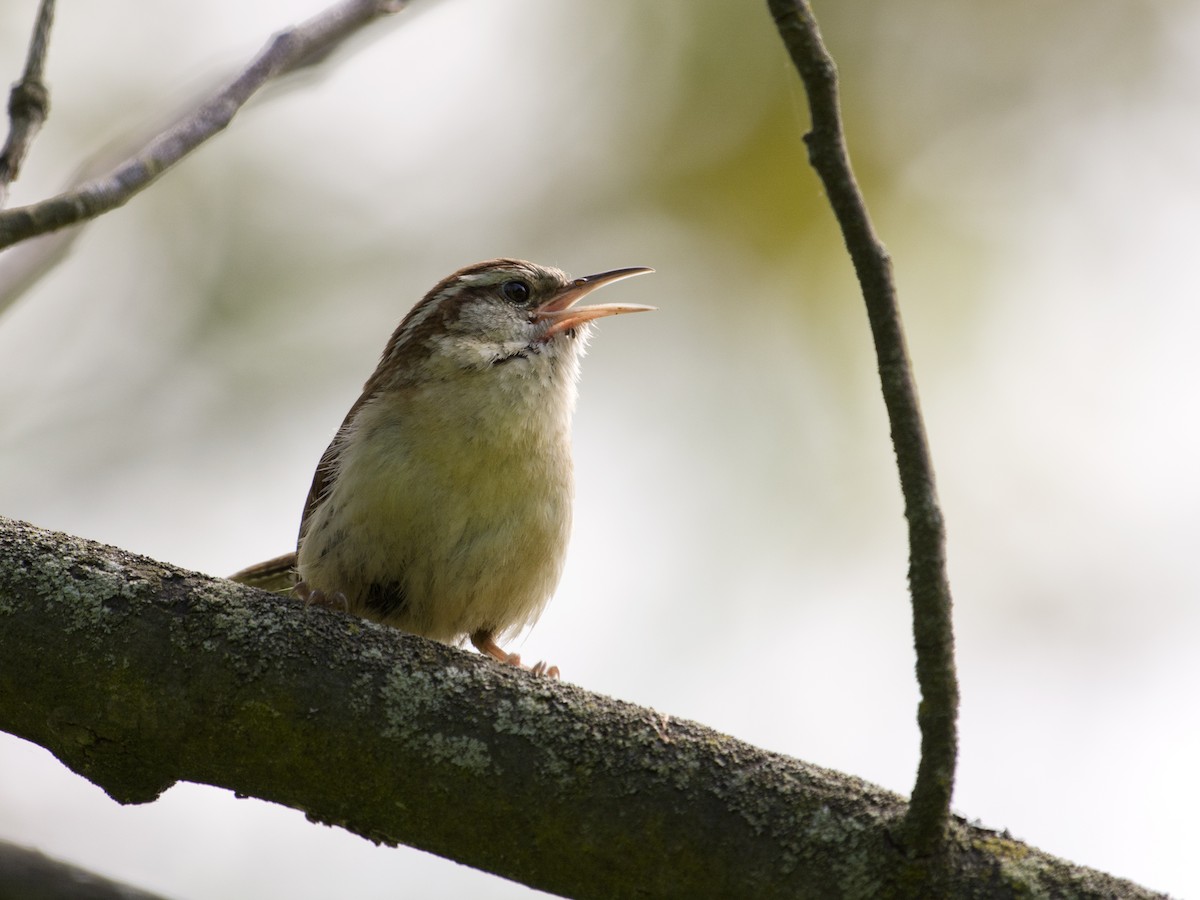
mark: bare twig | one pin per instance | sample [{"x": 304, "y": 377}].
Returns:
[
  {"x": 28, "y": 103},
  {"x": 288, "y": 51},
  {"x": 929, "y": 810}
]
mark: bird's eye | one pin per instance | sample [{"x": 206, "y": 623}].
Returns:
[{"x": 515, "y": 291}]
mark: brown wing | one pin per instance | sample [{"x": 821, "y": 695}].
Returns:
[
  {"x": 327, "y": 467},
  {"x": 279, "y": 574}
]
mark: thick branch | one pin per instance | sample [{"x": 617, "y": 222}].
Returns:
[
  {"x": 933, "y": 631},
  {"x": 28, "y": 102},
  {"x": 27, "y": 873},
  {"x": 137, "y": 674},
  {"x": 287, "y": 51}
]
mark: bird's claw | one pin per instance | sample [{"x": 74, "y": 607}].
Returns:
[
  {"x": 542, "y": 668},
  {"x": 538, "y": 668},
  {"x": 486, "y": 644},
  {"x": 336, "y": 601}
]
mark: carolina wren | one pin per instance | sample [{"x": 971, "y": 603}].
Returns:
[{"x": 443, "y": 504}]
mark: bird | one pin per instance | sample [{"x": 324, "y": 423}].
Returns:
[{"x": 442, "y": 506}]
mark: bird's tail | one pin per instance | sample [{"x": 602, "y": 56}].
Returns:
[{"x": 277, "y": 575}]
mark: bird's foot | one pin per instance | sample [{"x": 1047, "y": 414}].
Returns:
[
  {"x": 336, "y": 601},
  {"x": 485, "y": 643}
]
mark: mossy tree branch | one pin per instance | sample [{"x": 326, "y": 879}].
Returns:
[
  {"x": 137, "y": 674},
  {"x": 28, "y": 874}
]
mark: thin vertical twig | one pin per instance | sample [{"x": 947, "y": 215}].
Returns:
[
  {"x": 929, "y": 808},
  {"x": 28, "y": 102}
]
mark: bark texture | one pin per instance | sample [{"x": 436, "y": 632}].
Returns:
[{"x": 137, "y": 674}]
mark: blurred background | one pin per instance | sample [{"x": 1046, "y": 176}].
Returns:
[{"x": 739, "y": 552}]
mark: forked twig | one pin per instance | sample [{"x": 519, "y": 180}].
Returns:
[{"x": 289, "y": 50}]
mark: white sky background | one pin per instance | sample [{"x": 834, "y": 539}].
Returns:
[{"x": 739, "y": 551}]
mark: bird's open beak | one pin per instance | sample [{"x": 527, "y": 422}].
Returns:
[{"x": 562, "y": 314}]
